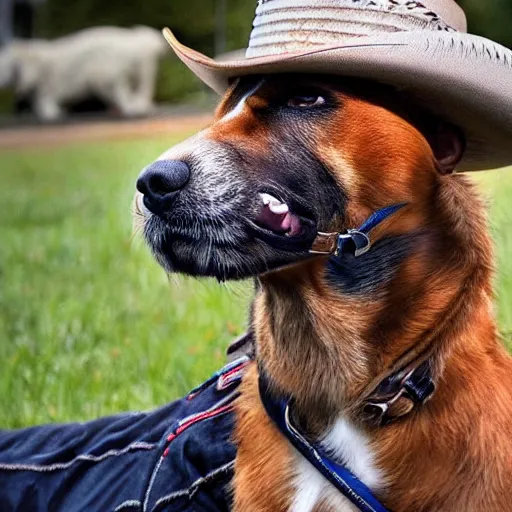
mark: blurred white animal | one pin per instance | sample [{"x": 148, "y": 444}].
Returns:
[{"x": 116, "y": 65}]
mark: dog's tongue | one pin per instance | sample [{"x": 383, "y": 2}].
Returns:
[{"x": 279, "y": 220}]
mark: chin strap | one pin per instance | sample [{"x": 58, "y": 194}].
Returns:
[{"x": 356, "y": 240}]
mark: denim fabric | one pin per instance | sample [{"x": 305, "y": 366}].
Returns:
[{"x": 177, "y": 458}]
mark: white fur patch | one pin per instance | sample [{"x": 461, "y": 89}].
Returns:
[
  {"x": 345, "y": 443},
  {"x": 310, "y": 485},
  {"x": 241, "y": 104}
]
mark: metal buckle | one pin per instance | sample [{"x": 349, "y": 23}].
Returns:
[
  {"x": 339, "y": 244},
  {"x": 383, "y": 407},
  {"x": 361, "y": 242},
  {"x": 355, "y": 236},
  {"x": 325, "y": 235},
  {"x": 363, "y": 249}
]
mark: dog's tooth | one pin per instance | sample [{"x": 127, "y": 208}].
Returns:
[
  {"x": 267, "y": 199},
  {"x": 279, "y": 208}
]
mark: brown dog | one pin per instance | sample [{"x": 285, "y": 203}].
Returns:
[{"x": 288, "y": 157}]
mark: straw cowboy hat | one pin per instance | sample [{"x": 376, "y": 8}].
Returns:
[{"x": 419, "y": 47}]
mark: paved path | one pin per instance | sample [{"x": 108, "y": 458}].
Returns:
[{"x": 99, "y": 130}]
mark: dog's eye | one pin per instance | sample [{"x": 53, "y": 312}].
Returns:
[{"x": 305, "y": 101}]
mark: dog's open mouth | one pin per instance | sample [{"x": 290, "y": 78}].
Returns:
[
  {"x": 277, "y": 217},
  {"x": 285, "y": 223}
]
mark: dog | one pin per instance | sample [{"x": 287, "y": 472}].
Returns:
[
  {"x": 116, "y": 65},
  {"x": 287, "y": 157},
  {"x": 380, "y": 381}
]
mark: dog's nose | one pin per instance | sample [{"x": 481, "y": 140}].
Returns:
[{"x": 161, "y": 182}]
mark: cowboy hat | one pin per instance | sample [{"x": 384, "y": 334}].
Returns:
[{"x": 422, "y": 48}]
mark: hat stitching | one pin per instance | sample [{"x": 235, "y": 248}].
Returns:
[{"x": 478, "y": 47}]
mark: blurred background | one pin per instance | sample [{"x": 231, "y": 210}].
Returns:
[
  {"x": 89, "y": 324},
  {"x": 213, "y": 27}
]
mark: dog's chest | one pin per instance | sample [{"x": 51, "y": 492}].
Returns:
[{"x": 348, "y": 445}]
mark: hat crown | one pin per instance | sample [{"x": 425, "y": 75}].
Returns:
[{"x": 284, "y": 26}]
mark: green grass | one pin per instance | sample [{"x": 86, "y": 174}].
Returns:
[
  {"x": 89, "y": 324},
  {"x": 497, "y": 188}
]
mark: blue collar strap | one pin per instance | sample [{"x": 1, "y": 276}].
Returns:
[
  {"x": 355, "y": 240},
  {"x": 345, "y": 481}
]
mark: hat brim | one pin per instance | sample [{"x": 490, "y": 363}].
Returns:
[{"x": 465, "y": 79}]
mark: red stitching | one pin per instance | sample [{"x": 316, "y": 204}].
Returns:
[
  {"x": 203, "y": 416},
  {"x": 235, "y": 370},
  {"x": 220, "y": 379},
  {"x": 225, "y": 379}
]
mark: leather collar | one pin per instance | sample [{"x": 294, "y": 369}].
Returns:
[{"x": 356, "y": 240}]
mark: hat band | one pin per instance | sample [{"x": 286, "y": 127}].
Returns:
[{"x": 283, "y": 26}]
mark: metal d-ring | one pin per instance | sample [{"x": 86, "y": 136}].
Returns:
[{"x": 365, "y": 248}]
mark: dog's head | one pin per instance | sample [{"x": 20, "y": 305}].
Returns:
[{"x": 286, "y": 157}]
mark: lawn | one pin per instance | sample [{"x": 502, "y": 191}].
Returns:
[{"x": 89, "y": 324}]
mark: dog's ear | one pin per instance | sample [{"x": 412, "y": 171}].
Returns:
[
  {"x": 448, "y": 144},
  {"x": 447, "y": 141}
]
